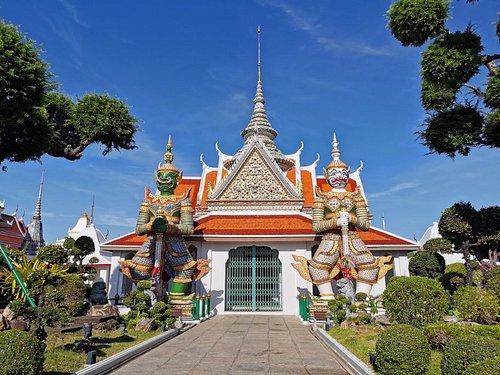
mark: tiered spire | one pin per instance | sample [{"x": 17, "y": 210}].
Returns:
[
  {"x": 259, "y": 126},
  {"x": 35, "y": 227}
]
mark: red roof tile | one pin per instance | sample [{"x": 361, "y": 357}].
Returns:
[{"x": 263, "y": 225}]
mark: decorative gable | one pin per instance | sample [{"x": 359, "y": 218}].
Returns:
[{"x": 255, "y": 180}]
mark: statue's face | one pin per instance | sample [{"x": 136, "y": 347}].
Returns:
[
  {"x": 166, "y": 181},
  {"x": 337, "y": 178}
]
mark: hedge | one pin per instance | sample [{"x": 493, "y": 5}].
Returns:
[
  {"x": 415, "y": 300},
  {"x": 402, "y": 350},
  {"x": 21, "y": 353},
  {"x": 466, "y": 350}
]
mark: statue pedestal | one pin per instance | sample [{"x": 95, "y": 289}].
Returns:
[
  {"x": 182, "y": 308},
  {"x": 319, "y": 309}
]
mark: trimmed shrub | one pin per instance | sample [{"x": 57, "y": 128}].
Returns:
[
  {"x": 492, "y": 273},
  {"x": 361, "y": 296},
  {"x": 490, "y": 366},
  {"x": 21, "y": 353},
  {"x": 427, "y": 264},
  {"x": 456, "y": 268},
  {"x": 402, "y": 350},
  {"x": 454, "y": 277},
  {"x": 439, "y": 334},
  {"x": 478, "y": 305},
  {"x": 466, "y": 350},
  {"x": 493, "y": 282},
  {"x": 415, "y": 300}
]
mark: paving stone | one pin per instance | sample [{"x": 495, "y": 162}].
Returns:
[{"x": 240, "y": 344}]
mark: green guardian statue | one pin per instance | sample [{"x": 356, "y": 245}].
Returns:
[{"x": 165, "y": 218}]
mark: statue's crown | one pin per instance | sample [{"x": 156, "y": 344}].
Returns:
[
  {"x": 168, "y": 158},
  {"x": 336, "y": 163}
]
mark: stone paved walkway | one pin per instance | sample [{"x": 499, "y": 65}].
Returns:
[{"x": 239, "y": 344}]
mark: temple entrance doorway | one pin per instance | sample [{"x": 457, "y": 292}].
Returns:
[{"x": 253, "y": 279}]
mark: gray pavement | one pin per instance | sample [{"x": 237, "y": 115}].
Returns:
[{"x": 240, "y": 344}]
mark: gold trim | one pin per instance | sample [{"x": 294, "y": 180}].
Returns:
[{"x": 183, "y": 267}]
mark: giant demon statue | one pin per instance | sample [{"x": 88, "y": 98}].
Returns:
[
  {"x": 164, "y": 218},
  {"x": 338, "y": 214}
]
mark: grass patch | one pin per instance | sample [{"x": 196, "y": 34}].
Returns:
[
  {"x": 62, "y": 356},
  {"x": 360, "y": 340}
]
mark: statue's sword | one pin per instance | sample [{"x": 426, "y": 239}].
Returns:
[{"x": 158, "y": 266}]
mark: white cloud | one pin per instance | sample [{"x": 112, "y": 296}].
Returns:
[
  {"x": 316, "y": 31},
  {"x": 117, "y": 220},
  {"x": 395, "y": 188}
]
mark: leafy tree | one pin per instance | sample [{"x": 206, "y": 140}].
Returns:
[
  {"x": 427, "y": 264},
  {"x": 476, "y": 234},
  {"x": 454, "y": 124},
  {"x": 438, "y": 245},
  {"x": 53, "y": 254},
  {"x": 36, "y": 120}
]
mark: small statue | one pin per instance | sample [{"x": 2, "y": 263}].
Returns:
[
  {"x": 98, "y": 295},
  {"x": 338, "y": 214},
  {"x": 346, "y": 288},
  {"x": 165, "y": 218}
]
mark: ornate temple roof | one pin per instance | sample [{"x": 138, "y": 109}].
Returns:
[{"x": 13, "y": 231}]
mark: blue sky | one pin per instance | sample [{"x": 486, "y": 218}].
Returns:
[{"x": 188, "y": 68}]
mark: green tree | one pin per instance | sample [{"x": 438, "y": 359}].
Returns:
[
  {"x": 438, "y": 245},
  {"x": 454, "y": 124},
  {"x": 427, "y": 264},
  {"x": 475, "y": 234},
  {"x": 36, "y": 120}
]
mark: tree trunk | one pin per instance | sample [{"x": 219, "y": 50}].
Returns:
[{"x": 468, "y": 263}]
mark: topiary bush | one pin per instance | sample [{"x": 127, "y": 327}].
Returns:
[
  {"x": 427, "y": 264},
  {"x": 402, "y": 350},
  {"x": 478, "y": 305},
  {"x": 415, "y": 300},
  {"x": 438, "y": 334},
  {"x": 21, "y": 353},
  {"x": 465, "y": 350},
  {"x": 492, "y": 281},
  {"x": 454, "y": 277},
  {"x": 489, "y": 366}
]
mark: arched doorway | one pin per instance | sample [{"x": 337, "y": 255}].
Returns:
[{"x": 253, "y": 279}]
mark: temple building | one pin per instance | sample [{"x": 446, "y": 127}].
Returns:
[
  {"x": 13, "y": 230},
  {"x": 252, "y": 213}
]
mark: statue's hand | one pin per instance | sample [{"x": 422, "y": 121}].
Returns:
[
  {"x": 343, "y": 220},
  {"x": 160, "y": 225}
]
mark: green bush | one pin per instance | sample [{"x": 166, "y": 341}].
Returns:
[
  {"x": 402, "y": 350},
  {"x": 493, "y": 285},
  {"x": 438, "y": 334},
  {"x": 415, "y": 300},
  {"x": 466, "y": 350},
  {"x": 478, "y": 305},
  {"x": 456, "y": 268},
  {"x": 454, "y": 277},
  {"x": 490, "y": 366},
  {"x": 73, "y": 288},
  {"x": 144, "y": 285},
  {"x": 492, "y": 273},
  {"x": 21, "y": 353},
  {"x": 361, "y": 296},
  {"x": 427, "y": 264}
]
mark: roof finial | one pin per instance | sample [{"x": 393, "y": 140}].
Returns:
[
  {"x": 38, "y": 208},
  {"x": 92, "y": 211},
  {"x": 258, "y": 52}
]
